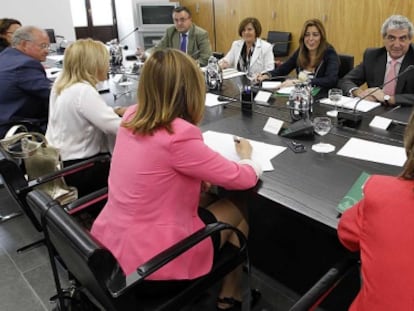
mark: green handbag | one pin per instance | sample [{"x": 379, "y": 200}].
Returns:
[{"x": 39, "y": 159}]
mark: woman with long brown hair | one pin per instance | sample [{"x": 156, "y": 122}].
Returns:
[{"x": 315, "y": 58}]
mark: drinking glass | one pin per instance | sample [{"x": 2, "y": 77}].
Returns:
[
  {"x": 322, "y": 126},
  {"x": 335, "y": 96}
]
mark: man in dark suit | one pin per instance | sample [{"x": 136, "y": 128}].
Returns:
[
  {"x": 381, "y": 65},
  {"x": 196, "y": 41},
  {"x": 24, "y": 88}
]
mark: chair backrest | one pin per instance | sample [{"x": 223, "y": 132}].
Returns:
[
  {"x": 14, "y": 180},
  {"x": 346, "y": 63},
  {"x": 95, "y": 268},
  {"x": 281, "y": 42},
  {"x": 87, "y": 260}
]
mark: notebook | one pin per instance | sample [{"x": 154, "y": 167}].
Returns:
[{"x": 354, "y": 194}]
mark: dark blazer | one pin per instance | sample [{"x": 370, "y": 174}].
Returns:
[
  {"x": 372, "y": 71},
  {"x": 326, "y": 74},
  {"x": 198, "y": 44},
  {"x": 24, "y": 89}
]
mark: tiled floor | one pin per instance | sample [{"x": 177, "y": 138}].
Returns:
[{"x": 26, "y": 282}]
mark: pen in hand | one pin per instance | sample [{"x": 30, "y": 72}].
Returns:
[{"x": 236, "y": 139}]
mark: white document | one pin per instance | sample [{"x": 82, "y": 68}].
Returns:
[
  {"x": 349, "y": 103},
  {"x": 224, "y": 144},
  {"x": 371, "y": 151},
  {"x": 286, "y": 90},
  {"x": 55, "y": 58},
  {"x": 229, "y": 73},
  {"x": 271, "y": 85},
  {"x": 211, "y": 100}
]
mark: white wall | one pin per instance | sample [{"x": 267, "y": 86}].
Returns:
[
  {"x": 54, "y": 14},
  {"x": 125, "y": 20}
]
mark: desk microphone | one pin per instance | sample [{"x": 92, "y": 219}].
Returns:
[
  {"x": 127, "y": 35},
  {"x": 353, "y": 118}
]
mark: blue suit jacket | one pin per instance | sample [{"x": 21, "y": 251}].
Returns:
[{"x": 24, "y": 89}]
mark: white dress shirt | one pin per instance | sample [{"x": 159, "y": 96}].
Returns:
[{"x": 80, "y": 122}]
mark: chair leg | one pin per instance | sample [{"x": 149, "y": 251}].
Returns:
[
  {"x": 31, "y": 245},
  {"x": 4, "y": 218}
]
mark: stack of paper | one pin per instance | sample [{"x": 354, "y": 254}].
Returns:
[
  {"x": 231, "y": 73},
  {"x": 224, "y": 144},
  {"x": 371, "y": 151},
  {"x": 212, "y": 100},
  {"x": 349, "y": 103}
]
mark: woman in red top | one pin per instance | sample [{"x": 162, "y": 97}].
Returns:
[{"x": 381, "y": 227}]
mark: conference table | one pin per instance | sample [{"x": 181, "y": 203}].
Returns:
[
  {"x": 292, "y": 212},
  {"x": 293, "y": 216},
  {"x": 309, "y": 183}
]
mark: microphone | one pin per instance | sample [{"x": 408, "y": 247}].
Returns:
[
  {"x": 127, "y": 35},
  {"x": 353, "y": 118},
  {"x": 277, "y": 78}
]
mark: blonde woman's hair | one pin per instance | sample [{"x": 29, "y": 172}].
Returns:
[
  {"x": 85, "y": 60},
  {"x": 408, "y": 171},
  {"x": 171, "y": 86}
]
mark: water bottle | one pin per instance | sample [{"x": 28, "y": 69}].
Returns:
[
  {"x": 214, "y": 74},
  {"x": 301, "y": 101}
]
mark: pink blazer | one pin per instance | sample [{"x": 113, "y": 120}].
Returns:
[
  {"x": 381, "y": 227},
  {"x": 154, "y": 189}
]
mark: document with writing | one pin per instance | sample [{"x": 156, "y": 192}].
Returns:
[
  {"x": 349, "y": 103},
  {"x": 223, "y": 143},
  {"x": 371, "y": 151}
]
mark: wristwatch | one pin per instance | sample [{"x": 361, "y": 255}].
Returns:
[{"x": 386, "y": 99}]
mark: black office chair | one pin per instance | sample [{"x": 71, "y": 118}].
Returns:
[
  {"x": 18, "y": 186},
  {"x": 99, "y": 275},
  {"x": 346, "y": 64},
  {"x": 326, "y": 284},
  {"x": 281, "y": 42}
]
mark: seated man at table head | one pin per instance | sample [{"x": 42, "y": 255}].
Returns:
[
  {"x": 24, "y": 88},
  {"x": 154, "y": 200},
  {"x": 80, "y": 121},
  {"x": 381, "y": 65},
  {"x": 7, "y": 28},
  {"x": 380, "y": 227},
  {"x": 184, "y": 36},
  {"x": 315, "y": 59},
  {"x": 250, "y": 54}
]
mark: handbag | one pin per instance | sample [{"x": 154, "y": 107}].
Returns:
[{"x": 39, "y": 159}]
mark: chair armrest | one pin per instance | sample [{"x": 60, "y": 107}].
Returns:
[
  {"x": 87, "y": 200},
  {"x": 63, "y": 172},
  {"x": 171, "y": 253},
  {"x": 317, "y": 293}
]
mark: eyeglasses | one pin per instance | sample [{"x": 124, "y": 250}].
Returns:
[
  {"x": 43, "y": 46},
  {"x": 180, "y": 20},
  {"x": 401, "y": 39}
]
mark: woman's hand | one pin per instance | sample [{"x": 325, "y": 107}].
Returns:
[
  {"x": 223, "y": 64},
  {"x": 243, "y": 148}
]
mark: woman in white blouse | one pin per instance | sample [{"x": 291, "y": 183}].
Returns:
[
  {"x": 250, "y": 54},
  {"x": 80, "y": 122}
]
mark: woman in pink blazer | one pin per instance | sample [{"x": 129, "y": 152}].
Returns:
[
  {"x": 158, "y": 167},
  {"x": 381, "y": 226}
]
